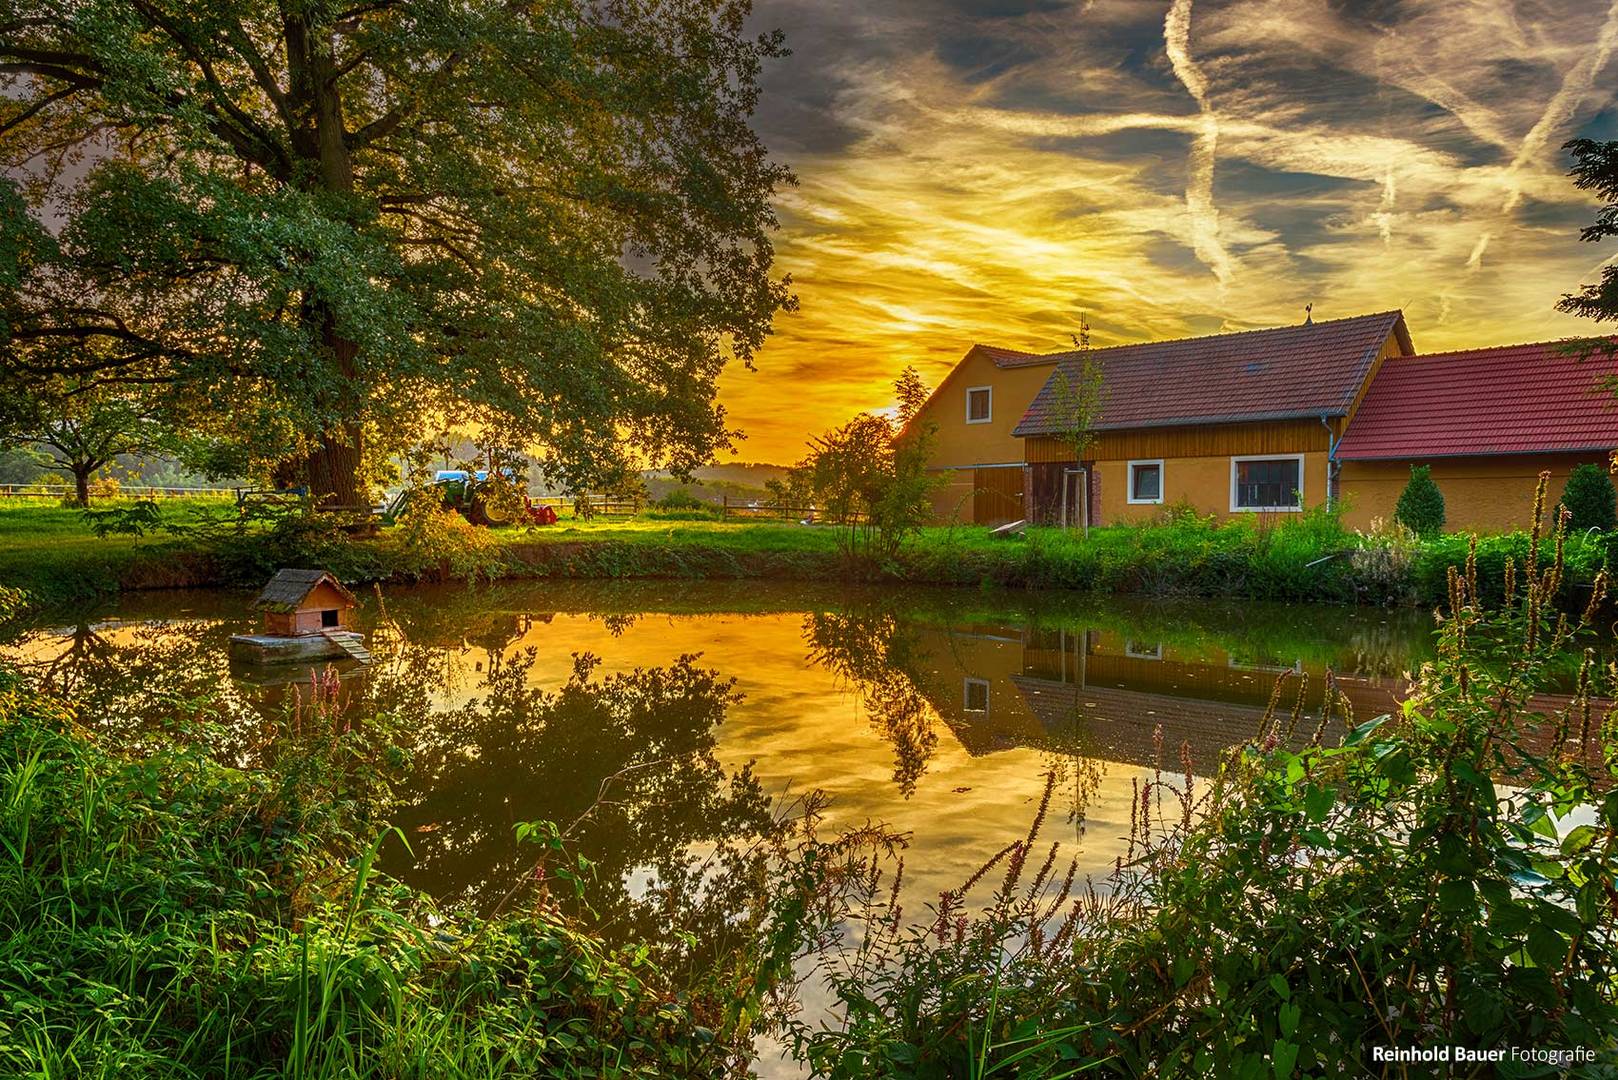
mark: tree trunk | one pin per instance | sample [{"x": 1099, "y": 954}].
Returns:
[
  {"x": 81, "y": 485},
  {"x": 333, "y": 468}
]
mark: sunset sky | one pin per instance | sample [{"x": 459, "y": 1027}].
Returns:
[{"x": 988, "y": 171}]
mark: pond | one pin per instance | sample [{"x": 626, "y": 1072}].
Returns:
[{"x": 709, "y": 706}]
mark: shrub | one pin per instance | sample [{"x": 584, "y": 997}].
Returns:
[
  {"x": 1421, "y": 504},
  {"x": 1590, "y": 499},
  {"x": 680, "y": 499},
  {"x": 1440, "y": 876}
]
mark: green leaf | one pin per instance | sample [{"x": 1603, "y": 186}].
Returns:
[
  {"x": 1278, "y": 983},
  {"x": 1457, "y": 895},
  {"x": 1359, "y": 733},
  {"x": 1288, "y": 1018},
  {"x": 1546, "y": 947},
  {"x": 1317, "y": 803},
  {"x": 1579, "y": 838},
  {"x": 1284, "y": 1058}
]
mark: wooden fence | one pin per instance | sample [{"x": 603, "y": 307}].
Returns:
[{"x": 133, "y": 491}]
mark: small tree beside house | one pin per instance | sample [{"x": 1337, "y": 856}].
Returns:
[
  {"x": 1590, "y": 499},
  {"x": 1076, "y": 407},
  {"x": 1421, "y": 504}
]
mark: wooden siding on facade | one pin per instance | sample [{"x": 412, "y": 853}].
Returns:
[
  {"x": 1209, "y": 440},
  {"x": 997, "y": 495}
]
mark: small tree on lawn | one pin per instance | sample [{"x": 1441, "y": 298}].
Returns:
[
  {"x": 1075, "y": 401},
  {"x": 870, "y": 476},
  {"x": 1421, "y": 504},
  {"x": 1590, "y": 499},
  {"x": 910, "y": 394},
  {"x": 81, "y": 429}
]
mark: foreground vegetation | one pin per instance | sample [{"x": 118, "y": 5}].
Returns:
[
  {"x": 51, "y": 553},
  {"x": 189, "y": 892},
  {"x": 1443, "y": 878}
]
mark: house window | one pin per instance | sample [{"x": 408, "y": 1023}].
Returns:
[
  {"x": 1146, "y": 481},
  {"x": 1266, "y": 483},
  {"x": 979, "y": 404},
  {"x": 1142, "y": 650},
  {"x": 328, "y": 617},
  {"x": 975, "y": 696}
]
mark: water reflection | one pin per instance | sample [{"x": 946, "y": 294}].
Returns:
[{"x": 936, "y": 712}]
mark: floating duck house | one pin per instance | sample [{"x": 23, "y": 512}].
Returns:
[{"x": 308, "y": 615}]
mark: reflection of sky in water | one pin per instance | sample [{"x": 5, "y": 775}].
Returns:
[{"x": 936, "y": 714}]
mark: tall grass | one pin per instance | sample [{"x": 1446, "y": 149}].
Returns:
[
  {"x": 1444, "y": 877},
  {"x": 167, "y": 915}
]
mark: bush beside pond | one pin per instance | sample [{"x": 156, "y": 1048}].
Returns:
[{"x": 1307, "y": 557}]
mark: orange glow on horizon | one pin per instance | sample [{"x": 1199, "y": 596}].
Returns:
[{"x": 973, "y": 204}]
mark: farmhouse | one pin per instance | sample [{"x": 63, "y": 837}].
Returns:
[
  {"x": 1226, "y": 424},
  {"x": 1487, "y": 421},
  {"x": 973, "y": 412}
]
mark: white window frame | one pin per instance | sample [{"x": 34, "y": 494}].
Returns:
[
  {"x": 1234, "y": 461},
  {"x": 970, "y": 390},
  {"x": 966, "y": 695},
  {"x": 1138, "y": 651},
  {"x": 1129, "y": 482}
]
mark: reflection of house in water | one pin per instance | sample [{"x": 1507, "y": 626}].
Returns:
[{"x": 1101, "y": 694}]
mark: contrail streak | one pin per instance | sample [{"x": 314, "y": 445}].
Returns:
[
  {"x": 1199, "y": 202},
  {"x": 1577, "y": 82}
]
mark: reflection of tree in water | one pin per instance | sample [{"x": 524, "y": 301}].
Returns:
[
  {"x": 875, "y": 653},
  {"x": 167, "y": 682},
  {"x": 673, "y": 839}
]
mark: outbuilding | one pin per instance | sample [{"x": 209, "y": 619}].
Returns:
[
  {"x": 1487, "y": 421},
  {"x": 299, "y": 602}
]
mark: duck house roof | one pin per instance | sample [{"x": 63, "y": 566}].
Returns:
[{"x": 288, "y": 589}]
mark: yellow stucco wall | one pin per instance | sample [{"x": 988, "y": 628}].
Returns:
[
  {"x": 958, "y": 444},
  {"x": 1481, "y": 494},
  {"x": 1203, "y": 482}
]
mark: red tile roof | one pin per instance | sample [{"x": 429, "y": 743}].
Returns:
[
  {"x": 1288, "y": 372},
  {"x": 1011, "y": 358},
  {"x": 1516, "y": 399}
]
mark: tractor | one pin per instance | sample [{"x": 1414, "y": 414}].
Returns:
[{"x": 474, "y": 497}]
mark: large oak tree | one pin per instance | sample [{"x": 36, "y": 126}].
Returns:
[{"x": 321, "y": 226}]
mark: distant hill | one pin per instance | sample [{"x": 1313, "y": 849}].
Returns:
[{"x": 712, "y": 483}]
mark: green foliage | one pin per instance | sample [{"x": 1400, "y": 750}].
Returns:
[
  {"x": 1443, "y": 875},
  {"x": 910, "y": 395},
  {"x": 168, "y": 915},
  {"x": 1590, "y": 499},
  {"x": 1595, "y": 168},
  {"x": 1074, "y": 408},
  {"x": 79, "y": 427},
  {"x": 680, "y": 499},
  {"x": 316, "y": 243},
  {"x": 136, "y": 519},
  {"x": 1421, "y": 505}
]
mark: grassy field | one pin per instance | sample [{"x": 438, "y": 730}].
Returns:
[{"x": 51, "y": 552}]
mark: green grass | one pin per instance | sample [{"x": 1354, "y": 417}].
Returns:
[
  {"x": 167, "y": 917},
  {"x": 50, "y": 552}
]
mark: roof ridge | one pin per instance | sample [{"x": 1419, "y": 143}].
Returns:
[
  {"x": 1063, "y": 354},
  {"x": 1504, "y": 348}
]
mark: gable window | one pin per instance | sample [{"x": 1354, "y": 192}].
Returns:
[
  {"x": 1145, "y": 482},
  {"x": 1266, "y": 483},
  {"x": 975, "y": 696},
  {"x": 979, "y": 404}
]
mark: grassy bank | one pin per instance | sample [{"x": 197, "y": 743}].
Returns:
[
  {"x": 168, "y": 915},
  {"x": 51, "y": 553},
  {"x": 187, "y": 896}
]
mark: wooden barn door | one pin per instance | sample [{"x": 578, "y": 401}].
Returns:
[{"x": 997, "y": 495}]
